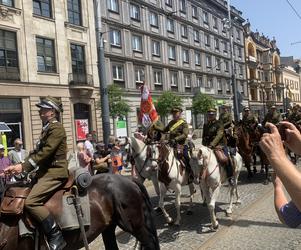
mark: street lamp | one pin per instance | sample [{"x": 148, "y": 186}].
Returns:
[{"x": 227, "y": 23}]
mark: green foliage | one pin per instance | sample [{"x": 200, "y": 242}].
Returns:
[
  {"x": 201, "y": 103},
  {"x": 118, "y": 106},
  {"x": 166, "y": 102}
]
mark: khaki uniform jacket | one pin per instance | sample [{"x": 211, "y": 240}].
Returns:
[
  {"x": 295, "y": 118},
  {"x": 226, "y": 119},
  {"x": 274, "y": 118},
  {"x": 213, "y": 134},
  {"x": 249, "y": 122},
  {"x": 50, "y": 155},
  {"x": 180, "y": 133}
]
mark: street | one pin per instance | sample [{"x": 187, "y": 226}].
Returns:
[{"x": 253, "y": 225}]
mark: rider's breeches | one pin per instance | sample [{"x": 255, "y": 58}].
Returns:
[
  {"x": 40, "y": 193},
  {"x": 186, "y": 155},
  {"x": 229, "y": 168}
]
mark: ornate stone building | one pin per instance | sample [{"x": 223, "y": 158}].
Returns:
[{"x": 48, "y": 48}]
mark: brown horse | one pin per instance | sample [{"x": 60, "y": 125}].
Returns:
[
  {"x": 114, "y": 201},
  {"x": 245, "y": 147}
]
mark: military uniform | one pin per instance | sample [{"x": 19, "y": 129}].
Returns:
[
  {"x": 272, "y": 117},
  {"x": 226, "y": 118},
  {"x": 213, "y": 134},
  {"x": 178, "y": 131},
  {"x": 249, "y": 122}
]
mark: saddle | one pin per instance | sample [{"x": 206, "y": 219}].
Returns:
[{"x": 220, "y": 156}]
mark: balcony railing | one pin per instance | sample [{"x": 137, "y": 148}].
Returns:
[
  {"x": 9, "y": 74},
  {"x": 80, "y": 80}
]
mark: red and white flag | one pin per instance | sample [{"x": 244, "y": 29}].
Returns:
[{"x": 148, "y": 113}]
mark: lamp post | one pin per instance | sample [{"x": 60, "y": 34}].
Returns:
[{"x": 228, "y": 25}]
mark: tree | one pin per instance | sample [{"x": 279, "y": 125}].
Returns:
[
  {"x": 166, "y": 102},
  {"x": 118, "y": 107},
  {"x": 201, "y": 103}
]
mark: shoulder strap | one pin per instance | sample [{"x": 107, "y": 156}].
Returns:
[{"x": 177, "y": 124}]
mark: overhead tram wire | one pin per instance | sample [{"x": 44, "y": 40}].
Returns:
[{"x": 294, "y": 9}]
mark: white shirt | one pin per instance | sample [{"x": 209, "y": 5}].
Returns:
[{"x": 89, "y": 147}]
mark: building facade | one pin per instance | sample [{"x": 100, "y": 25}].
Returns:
[
  {"x": 172, "y": 45},
  {"x": 263, "y": 72},
  {"x": 48, "y": 48}
]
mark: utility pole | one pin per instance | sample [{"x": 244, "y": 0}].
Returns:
[
  {"x": 233, "y": 77},
  {"x": 104, "y": 98}
]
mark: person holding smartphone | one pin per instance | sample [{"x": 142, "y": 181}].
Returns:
[{"x": 287, "y": 175}]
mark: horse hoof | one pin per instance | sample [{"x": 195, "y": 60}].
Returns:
[
  {"x": 238, "y": 202},
  {"x": 262, "y": 171},
  {"x": 214, "y": 228},
  {"x": 169, "y": 221},
  {"x": 266, "y": 182},
  {"x": 228, "y": 213},
  {"x": 189, "y": 212}
]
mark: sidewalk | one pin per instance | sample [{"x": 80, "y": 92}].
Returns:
[{"x": 258, "y": 227}]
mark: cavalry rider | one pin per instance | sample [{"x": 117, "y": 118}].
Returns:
[
  {"x": 49, "y": 161},
  {"x": 273, "y": 116},
  {"x": 295, "y": 116},
  {"x": 249, "y": 121},
  {"x": 178, "y": 132},
  {"x": 213, "y": 136}
]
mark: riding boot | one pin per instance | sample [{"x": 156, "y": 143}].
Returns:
[
  {"x": 229, "y": 171},
  {"x": 53, "y": 233}
]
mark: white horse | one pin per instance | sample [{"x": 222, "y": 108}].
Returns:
[
  {"x": 172, "y": 176},
  {"x": 145, "y": 157},
  {"x": 210, "y": 175}
]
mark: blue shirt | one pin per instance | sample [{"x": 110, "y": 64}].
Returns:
[{"x": 291, "y": 214}]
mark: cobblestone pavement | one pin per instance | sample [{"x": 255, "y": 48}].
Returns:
[{"x": 251, "y": 226}]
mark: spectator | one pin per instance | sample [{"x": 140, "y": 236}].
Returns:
[
  {"x": 83, "y": 157},
  {"x": 286, "y": 173},
  {"x": 4, "y": 163},
  {"x": 116, "y": 158},
  {"x": 101, "y": 159},
  {"x": 88, "y": 145},
  {"x": 18, "y": 154}
]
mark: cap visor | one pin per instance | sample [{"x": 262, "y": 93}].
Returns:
[{"x": 43, "y": 105}]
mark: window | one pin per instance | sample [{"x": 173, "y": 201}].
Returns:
[
  {"x": 207, "y": 40},
  {"x": 173, "y": 79},
  {"x": 238, "y": 34},
  {"x": 8, "y": 49},
  {"x": 7, "y": 2},
  {"x": 199, "y": 81},
  {"x": 228, "y": 87},
  {"x": 157, "y": 76},
  {"x": 209, "y": 83},
  {"x": 225, "y": 45},
  {"x": 168, "y": 3},
  {"x": 115, "y": 38},
  {"x": 172, "y": 52},
  {"x": 197, "y": 58},
  {"x": 219, "y": 86},
  {"x": 239, "y": 52},
  {"x": 42, "y": 8},
  {"x": 216, "y": 44},
  {"x": 194, "y": 11},
  {"x": 118, "y": 74},
  {"x": 205, "y": 17},
  {"x": 113, "y": 6},
  {"x": 78, "y": 63},
  {"x": 156, "y": 48},
  {"x": 218, "y": 64},
  {"x": 241, "y": 70},
  {"x": 196, "y": 35},
  {"x": 187, "y": 81},
  {"x": 184, "y": 31},
  {"x": 74, "y": 12},
  {"x": 45, "y": 55},
  {"x": 170, "y": 25},
  {"x": 154, "y": 21},
  {"x": 185, "y": 55},
  {"x": 208, "y": 61},
  {"x": 135, "y": 12},
  {"x": 215, "y": 23},
  {"x": 137, "y": 43},
  {"x": 226, "y": 66},
  {"x": 139, "y": 74},
  {"x": 182, "y": 6}
]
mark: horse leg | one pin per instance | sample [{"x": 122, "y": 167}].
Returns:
[
  {"x": 229, "y": 209},
  {"x": 248, "y": 166},
  {"x": 205, "y": 193},
  {"x": 163, "y": 191},
  {"x": 211, "y": 207},
  {"x": 178, "y": 204},
  {"x": 156, "y": 184},
  {"x": 109, "y": 238},
  {"x": 191, "y": 191}
]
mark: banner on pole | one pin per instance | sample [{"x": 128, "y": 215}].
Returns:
[{"x": 82, "y": 128}]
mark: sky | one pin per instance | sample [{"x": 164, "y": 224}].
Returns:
[{"x": 275, "y": 18}]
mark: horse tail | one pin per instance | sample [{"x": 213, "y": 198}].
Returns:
[{"x": 148, "y": 218}]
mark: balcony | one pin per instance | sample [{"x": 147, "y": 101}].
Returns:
[
  {"x": 252, "y": 62},
  {"x": 254, "y": 82},
  {"x": 9, "y": 74},
  {"x": 81, "y": 81}
]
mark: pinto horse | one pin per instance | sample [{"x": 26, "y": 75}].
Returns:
[
  {"x": 209, "y": 174},
  {"x": 114, "y": 201},
  {"x": 172, "y": 175},
  {"x": 145, "y": 158}
]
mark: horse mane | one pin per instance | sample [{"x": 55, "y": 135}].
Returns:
[{"x": 137, "y": 144}]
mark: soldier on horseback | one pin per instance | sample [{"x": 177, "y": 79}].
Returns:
[
  {"x": 249, "y": 121},
  {"x": 178, "y": 132},
  {"x": 273, "y": 116},
  {"x": 214, "y": 136},
  {"x": 49, "y": 162}
]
